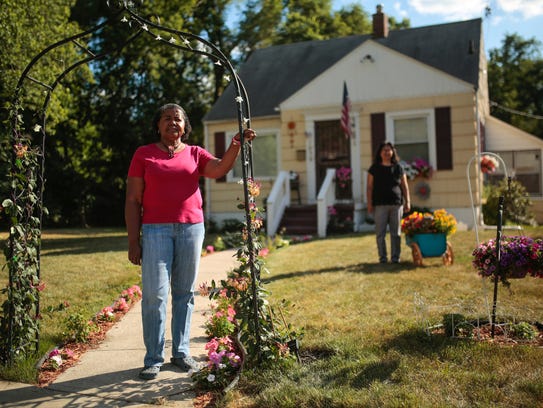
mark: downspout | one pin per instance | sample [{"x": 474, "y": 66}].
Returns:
[{"x": 207, "y": 182}]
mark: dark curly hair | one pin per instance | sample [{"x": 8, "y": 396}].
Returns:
[{"x": 160, "y": 112}]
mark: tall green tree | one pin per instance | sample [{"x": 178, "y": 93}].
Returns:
[
  {"x": 515, "y": 82},
  {"x": 27, "y": 28},
  {"x": 273, "y": 22}
]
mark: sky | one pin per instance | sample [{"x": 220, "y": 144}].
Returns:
[{"x": 522, "y": 17}]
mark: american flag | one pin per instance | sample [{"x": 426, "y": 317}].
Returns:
[{"x": 346, "y": 112}]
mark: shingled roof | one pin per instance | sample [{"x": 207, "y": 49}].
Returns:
[{"x": 273, "y": 74}]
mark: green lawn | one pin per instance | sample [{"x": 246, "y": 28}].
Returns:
[{"x": 365, "y": 343}]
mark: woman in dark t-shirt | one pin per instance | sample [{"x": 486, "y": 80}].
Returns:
[{"x": 388, "y": 197}]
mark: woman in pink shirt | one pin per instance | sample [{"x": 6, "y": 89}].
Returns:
[{"x": 165, "y": 225}]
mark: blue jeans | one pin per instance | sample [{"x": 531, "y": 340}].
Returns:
[
  {"x": 391, "y": 216},
  {"x": 170, "y": 256}
]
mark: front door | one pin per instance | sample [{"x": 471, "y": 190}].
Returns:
[{"x": 332, "y": 148}]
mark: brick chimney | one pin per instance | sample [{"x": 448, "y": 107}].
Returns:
[{"x": 380, "y": 23}]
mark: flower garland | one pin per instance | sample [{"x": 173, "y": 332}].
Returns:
[{"x": 422, "y": 190}]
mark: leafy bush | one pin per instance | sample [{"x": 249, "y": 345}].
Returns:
[
  {"x": 524, "y": 331},
  {"x": 78, "y": 328},
  {"x": 517, "y": 204}
]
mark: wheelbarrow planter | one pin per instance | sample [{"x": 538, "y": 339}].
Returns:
[{"x": 430, "y": 245}]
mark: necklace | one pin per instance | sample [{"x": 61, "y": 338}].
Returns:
[{"x": 171, "y": 149}]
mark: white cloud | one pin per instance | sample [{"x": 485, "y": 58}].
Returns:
[
  {"x": 399, "y": 10},
  {"x": 528, "y": 8},
  {"x": 451, "y": 9}
]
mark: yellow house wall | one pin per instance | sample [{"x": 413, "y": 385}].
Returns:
[
  {"x": 227, "y": 195},
  {"x": 449, "y": 188}
]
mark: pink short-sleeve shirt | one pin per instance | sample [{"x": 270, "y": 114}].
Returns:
[{"x": 171, "y": 193}]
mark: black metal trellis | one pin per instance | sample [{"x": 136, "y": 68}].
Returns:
[{"x": 179, "y": 40}]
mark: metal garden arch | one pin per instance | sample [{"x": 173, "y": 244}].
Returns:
[{"x": 25, "y": 205}]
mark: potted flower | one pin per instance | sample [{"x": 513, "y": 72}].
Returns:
[
  {"x": 489, "y": 164},
  {"x": 429, "y": 231},
  {"x": 343, "y": 182},
  {"x": 520, "y": 256},
  {"x": 417, "y": 168}
]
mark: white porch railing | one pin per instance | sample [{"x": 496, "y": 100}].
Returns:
[
  {"x": 277, "y": 201},
  {"x": 326, "y": 198}
]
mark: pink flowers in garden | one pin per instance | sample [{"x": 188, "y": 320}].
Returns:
[
  {"x": 221, "y": 353},
  {"x": 57, "y": 357},
  {"x": 121, "y": 305},
  {"x": 223, "y": 357}
]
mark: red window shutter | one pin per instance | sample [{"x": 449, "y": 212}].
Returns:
[
  {"x": 378, "y": 134},
  {"x": 444, "y": 138},
  {"x": 220, "y": 148}
]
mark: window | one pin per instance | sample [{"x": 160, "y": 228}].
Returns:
[
  {"x": 524, "y": 166},
  {"x": 413, "y": 134},
  {"x": 264, "y": 157}
]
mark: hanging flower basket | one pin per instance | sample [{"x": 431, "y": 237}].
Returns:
[
  {"x": 489, "y": 164},
  {"x": 417, "y": 168},
  {"x": 520, "y": 256}
]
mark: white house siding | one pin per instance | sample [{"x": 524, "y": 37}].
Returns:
[{"x": 391, "y": 76}]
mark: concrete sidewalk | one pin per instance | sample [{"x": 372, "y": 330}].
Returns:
[{"x": 108, "y": 376}]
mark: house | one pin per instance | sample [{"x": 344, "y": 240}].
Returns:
[{"x": 424, "y": 89}]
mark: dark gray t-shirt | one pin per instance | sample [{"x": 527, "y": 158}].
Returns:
[{"x": 386, "y": 184}]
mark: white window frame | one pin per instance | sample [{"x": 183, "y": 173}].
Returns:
[
  {"x": 429, "y": 115},
  {"x": 229, "y": 135}
]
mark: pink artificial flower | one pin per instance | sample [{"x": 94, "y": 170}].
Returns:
[
  {"x": 231, "y": 313},
  {"x": 136, "y": 290},
  {"x": 203, "y": 289},
  {"x": 121, "y": 305},
  {"x": 40, "y": 287},
  {"x": 212, "y": 345}
]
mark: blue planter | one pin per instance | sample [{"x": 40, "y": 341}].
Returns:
[{"x": 434, "y": 244}]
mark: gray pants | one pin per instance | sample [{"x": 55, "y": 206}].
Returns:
[{"x": 391, "y": 216}]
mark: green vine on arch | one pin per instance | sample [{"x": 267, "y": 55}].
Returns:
[{"x": 20, "y": 318}]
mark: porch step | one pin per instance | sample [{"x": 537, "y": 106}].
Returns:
[{"x": 299, "y": 220}]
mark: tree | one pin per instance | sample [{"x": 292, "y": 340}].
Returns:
[
  {"x": 273, "y": 22},
  {"x": 28, "y": 27},
  {"x": 515, "y": 81}
]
